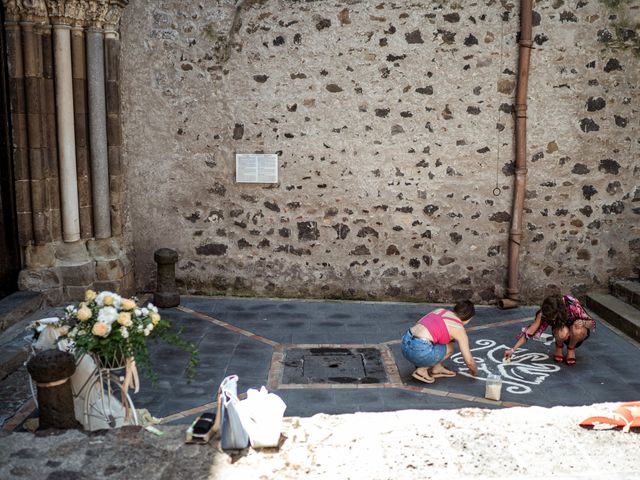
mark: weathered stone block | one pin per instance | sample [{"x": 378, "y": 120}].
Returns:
[
  {"x": 72, "y": 252},
  {"x": 77, "y": 275},
  {"x": 40, "y": 256},
  {"x": 112, "y": 286},
  {"x": 75, "y": 293},
  {"x": 39, "y": 280},
  {"x": 105, "y": 249},
  {"x": 109, "y": 270}
]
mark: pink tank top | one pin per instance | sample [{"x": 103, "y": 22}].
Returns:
[{"x": 434, "y": 322}]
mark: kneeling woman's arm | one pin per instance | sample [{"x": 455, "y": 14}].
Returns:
[
  {"x": 460, "y": 336},
  {"x": 524, "y": 336}
]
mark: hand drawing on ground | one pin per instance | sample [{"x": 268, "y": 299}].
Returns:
[{"x": 525, "y": 368}]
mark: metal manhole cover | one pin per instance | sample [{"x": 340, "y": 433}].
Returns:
[{"x": 333, "y": 365}]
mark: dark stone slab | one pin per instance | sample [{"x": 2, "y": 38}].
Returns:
[{"x": 333, "y": 365}]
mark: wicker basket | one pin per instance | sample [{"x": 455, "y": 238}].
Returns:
[{"x": 116, "y": 361}]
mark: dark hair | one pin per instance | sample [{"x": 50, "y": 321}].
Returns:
[
  {"x": 464, "y": 309},
  {"x": 553, "y": 311}
]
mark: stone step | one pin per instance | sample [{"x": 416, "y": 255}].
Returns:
[
  {"x": 627, "y": 291},
  {"x": 17, "y": 306},
  {"x": 616, "y": 312},
  {"x": 16, "y": 312}
]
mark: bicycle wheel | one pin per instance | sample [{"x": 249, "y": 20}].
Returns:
[{"x": 107, "y": 404}]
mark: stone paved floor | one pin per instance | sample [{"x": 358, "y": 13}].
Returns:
[{"x": 249, "y": 337}]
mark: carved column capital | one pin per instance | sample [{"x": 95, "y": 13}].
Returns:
[
  {"x": 34, "y": 11},
  {"x": 96, "y": 13},
  {"x": 66, "y": 12},
  {"x": 25, "y": 10},
  {"x": 113, "y": 15},
  {"x": 12, "y": 9}
]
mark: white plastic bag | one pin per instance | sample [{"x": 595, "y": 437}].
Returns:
[
  {"x": 262, "y": 417},
  {"x": 233, "y": 434}
]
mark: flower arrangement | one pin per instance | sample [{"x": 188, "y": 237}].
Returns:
[{"x": 109, "y": 326}]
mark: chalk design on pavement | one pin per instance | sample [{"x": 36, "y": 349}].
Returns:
[{"x": 525, "y": 368}]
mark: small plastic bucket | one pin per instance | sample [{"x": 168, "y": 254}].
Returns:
[{"x": 493, "y": 387}]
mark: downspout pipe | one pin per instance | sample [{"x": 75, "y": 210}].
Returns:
[{"x": 512, "y": 299}]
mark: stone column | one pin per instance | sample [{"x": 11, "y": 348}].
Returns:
[
  {"x": 98, "y": 119},
  {"x": 49, "y": 132},
  {"x": 18, "y": 122},
  {"x": 166, "y": 294},
  {"x": 51, "y": 370},
  {"x": 81, "y": 129},
  {"x": 33, "y": 78},
  {"x": 63, "y": 14},
  {"x": 114, "y": 127}
]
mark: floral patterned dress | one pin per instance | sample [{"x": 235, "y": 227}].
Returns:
[{"x": 575, "y": 312}]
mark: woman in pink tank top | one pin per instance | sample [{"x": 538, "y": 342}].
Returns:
[{"x": 430, "y": 342}]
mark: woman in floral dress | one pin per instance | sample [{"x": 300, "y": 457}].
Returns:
[{"x": 569, "y": 322}]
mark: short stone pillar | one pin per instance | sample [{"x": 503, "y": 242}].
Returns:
[
  {"x": 50, "y": 370},
  {"x": 166, "y": 294}
]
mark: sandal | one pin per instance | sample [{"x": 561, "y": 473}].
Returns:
[
  {"x": 558, "y": 358},
  {"x": 570, "y": 361},
  {"x": 422, "y": 378},
  {"x": 444, "y": 374}
]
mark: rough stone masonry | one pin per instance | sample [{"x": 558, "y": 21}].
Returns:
[{"x": 393, "y": 122}]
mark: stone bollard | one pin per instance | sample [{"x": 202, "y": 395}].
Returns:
[
  {"x": 166, "y": 294},
  {"x": 51, "y": 369}
]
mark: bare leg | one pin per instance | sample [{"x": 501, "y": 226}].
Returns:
[
  {"x": 438, "y": 369},
  {"x": 577, "y": 334},
  {"x": 561, "y": 335}
]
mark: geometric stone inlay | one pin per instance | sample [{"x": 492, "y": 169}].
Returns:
[{"x": 333, "y": 365}]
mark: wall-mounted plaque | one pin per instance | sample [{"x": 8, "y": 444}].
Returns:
[{"x": 256, "y": 168}]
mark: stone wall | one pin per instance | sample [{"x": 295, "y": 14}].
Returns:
[{"x": 393, "y": 122}]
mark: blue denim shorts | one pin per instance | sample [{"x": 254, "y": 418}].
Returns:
[{"x": 420, "y": 352}]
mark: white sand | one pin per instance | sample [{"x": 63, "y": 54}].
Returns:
[{"x": 529, "y": 443}]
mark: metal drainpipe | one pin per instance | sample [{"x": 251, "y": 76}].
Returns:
[{"x": 515, "y": 234}]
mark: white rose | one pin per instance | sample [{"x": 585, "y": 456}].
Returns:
[
  {"x": 100, "y": 298},
  {"x": 145, "y": 312},
  {"x": 117, "y": 301},
  {"x": 107, "y": 315}
]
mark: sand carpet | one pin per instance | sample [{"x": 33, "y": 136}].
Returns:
[{"x": 468, "y": 443}]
